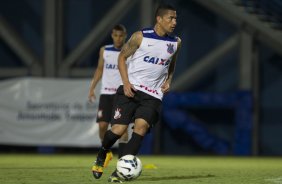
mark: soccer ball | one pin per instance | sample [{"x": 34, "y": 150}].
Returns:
[{"x": 129, "y": 167}]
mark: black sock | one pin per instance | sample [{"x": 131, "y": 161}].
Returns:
[
  {"x": 109, "y": 139},
  {"x": 102, "y": 153},
  {"x": 132, "y": 147},
  {"x": 121, "y": 147}
]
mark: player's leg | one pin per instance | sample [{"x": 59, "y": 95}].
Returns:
[
  {"x": 103, "y": 127},
  {"x": 111, "y": 136},
  {"x": 141, "y": 126},
  {"x": 104, "y": 114},
  {"x": 103, "y": 119},
  {"x": 146, "y": 115},
  {"x": 114, "y": 178},
  {"x": 123, "y": 110},
  {"x": 132, "y": 147},
  {"x": 122, "y": 142}
]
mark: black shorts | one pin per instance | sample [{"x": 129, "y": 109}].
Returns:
[
  {"x": 142, "y": 106},
  {"x": 105, "y": 108}
]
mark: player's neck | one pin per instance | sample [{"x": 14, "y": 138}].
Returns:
[
  {"x": 118, "y": 47},
  {"x": 159, "y": 31}
]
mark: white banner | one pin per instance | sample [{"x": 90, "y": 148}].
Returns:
[{"x": 53, "y": 112}]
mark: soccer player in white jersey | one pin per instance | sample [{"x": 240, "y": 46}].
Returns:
[
  {"x": 151, "y": 56},
  {"x": 107, "y": 69}
]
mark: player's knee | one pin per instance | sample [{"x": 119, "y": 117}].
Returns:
[
  {"x": 119, "y": 129},
  {"x": 141, "y": 128},
  {"x": 103, "y": 126}
]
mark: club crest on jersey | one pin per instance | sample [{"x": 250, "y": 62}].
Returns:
[
  {"x": 100, "y": 113},
  {"x": 170, "y": 48},
  {"x": 117, "y": 113}
]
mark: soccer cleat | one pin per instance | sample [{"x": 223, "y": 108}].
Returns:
[
  {"x": 109, "y": 157},
  {"x": 97, "y": 168},
  {"x": 97, "y": 171},
  {"x": 114, "y": 179}
]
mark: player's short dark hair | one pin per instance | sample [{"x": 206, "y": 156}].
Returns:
[
  {"x": 119, "y": 27},
  {"x": 161, "y": 10}
]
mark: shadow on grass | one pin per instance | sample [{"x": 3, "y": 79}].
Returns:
[{"x": 176, "y": 177}]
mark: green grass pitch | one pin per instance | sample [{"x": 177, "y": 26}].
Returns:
[{"x": 76, "y": 169}]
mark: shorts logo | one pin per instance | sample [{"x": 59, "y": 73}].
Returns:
[
  {"x": 170, "y": 48},
  {"x": 117, "y": 113},
  {"x": 100, "y": 113}
]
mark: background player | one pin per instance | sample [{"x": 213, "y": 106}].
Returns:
[{"x": 107, "y": 69}]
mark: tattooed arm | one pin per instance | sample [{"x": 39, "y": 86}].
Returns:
[{"x": 128, "y": 49}]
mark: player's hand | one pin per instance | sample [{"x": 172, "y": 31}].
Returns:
[
  {"x": 165, "y": 87},
  {"x": 129, "y": 90},
  {"x": 91, "y": 96}
]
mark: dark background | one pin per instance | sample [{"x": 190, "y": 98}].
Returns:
[{"x": 200, "y": 30}]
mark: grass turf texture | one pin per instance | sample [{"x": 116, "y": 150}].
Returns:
[{"x": 76, "y": 169}]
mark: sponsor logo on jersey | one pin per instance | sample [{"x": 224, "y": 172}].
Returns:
[
  {"x": 149, "y": 90},
  {"x": 110, "y": 89},
  {"x": 170, "y": 48},
  {"x": 117, "y": 113},
  {"x": 112, "y": 66},
  {"x": 156, "y": 60}
]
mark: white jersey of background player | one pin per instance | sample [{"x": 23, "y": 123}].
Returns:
[
  {"x": 111, "y": 77},
  {"x": 107, "y": 70}
]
